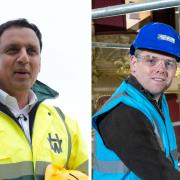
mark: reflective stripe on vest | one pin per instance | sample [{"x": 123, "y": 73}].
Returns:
[
  {"x": 40, "y": 167},
  {"x": 61, "y": 114},
  {"x": 131, "y": 97},
  {"x": 22, "y": 169},
  {"x": 83, "y": 167},
  {"x": 15, "y": 170},
  {"x": 110, "y": 166},
  {"x": 174, "y": 154}
]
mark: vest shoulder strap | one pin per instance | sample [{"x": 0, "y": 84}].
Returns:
[{"x": 62, "y": 116}]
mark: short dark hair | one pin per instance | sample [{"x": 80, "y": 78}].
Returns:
[{"x": 21, "y": 23}]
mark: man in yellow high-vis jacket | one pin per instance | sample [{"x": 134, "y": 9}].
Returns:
[{"x": 33, "y": 134}]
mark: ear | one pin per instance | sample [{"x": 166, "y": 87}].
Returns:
[{"x": 133, "y": 62}]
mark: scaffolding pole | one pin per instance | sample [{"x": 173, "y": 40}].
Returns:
[
  {"x": 133, "y": 7},
  {"x": 110, "y": 45}
]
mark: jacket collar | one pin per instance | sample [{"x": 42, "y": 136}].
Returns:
[{"x": 43, "y": 91}]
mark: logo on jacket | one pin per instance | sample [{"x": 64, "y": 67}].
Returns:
[{"x": 55, "y": 143}]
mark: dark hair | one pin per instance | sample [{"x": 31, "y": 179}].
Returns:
[{"x": 21, "y": 23}]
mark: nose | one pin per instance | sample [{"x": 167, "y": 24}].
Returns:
[
  {"x": 161, "y": 67},
  {"x": 23, "y": 57}
]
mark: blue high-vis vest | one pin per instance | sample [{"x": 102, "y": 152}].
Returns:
[{"x": 107, "y": 165}]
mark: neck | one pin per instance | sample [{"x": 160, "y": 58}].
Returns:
[
  {"x": 22, "y": 99},
  {"x": 157, "y": 98}
]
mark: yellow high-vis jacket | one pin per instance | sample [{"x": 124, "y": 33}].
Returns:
[{"x": 56, "y": 140}]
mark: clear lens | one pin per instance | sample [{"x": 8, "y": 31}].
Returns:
[{"x": 151, "y": 61}]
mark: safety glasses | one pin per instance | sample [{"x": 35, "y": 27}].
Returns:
[{"x": 153, "y": 61}]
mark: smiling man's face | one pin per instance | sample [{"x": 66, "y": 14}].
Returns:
[{"x": 153, "y": 71}]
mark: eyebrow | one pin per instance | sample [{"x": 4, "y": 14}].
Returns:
[
  {"x": 153, "y": 56},
  {"x": 17, "y": 45}
]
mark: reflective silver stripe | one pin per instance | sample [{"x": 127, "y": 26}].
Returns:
[
  {"x": 41, "y": 167},
  {"x": 83, "y": 167},
  {"x": 61, "y": 114},
  {"x": 16, "y": 170},
  {"x": 159, "y": 139},
  {"x": 174, "y": 154},
  {"x": 110, "y": 166},
  {"x": 115, "y": 97}
]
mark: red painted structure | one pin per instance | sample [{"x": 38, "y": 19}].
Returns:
[{"x": 174, "y": 108}]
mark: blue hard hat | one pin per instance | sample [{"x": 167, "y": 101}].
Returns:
[{"x": 157, "y": 37}]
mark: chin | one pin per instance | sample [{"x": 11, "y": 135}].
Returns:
[
  {"x": 157, "y": 92},
  {"x": 22, "y": 87}
]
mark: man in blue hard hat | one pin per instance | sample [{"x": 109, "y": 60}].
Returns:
[{"x": 135, "y": 138}]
